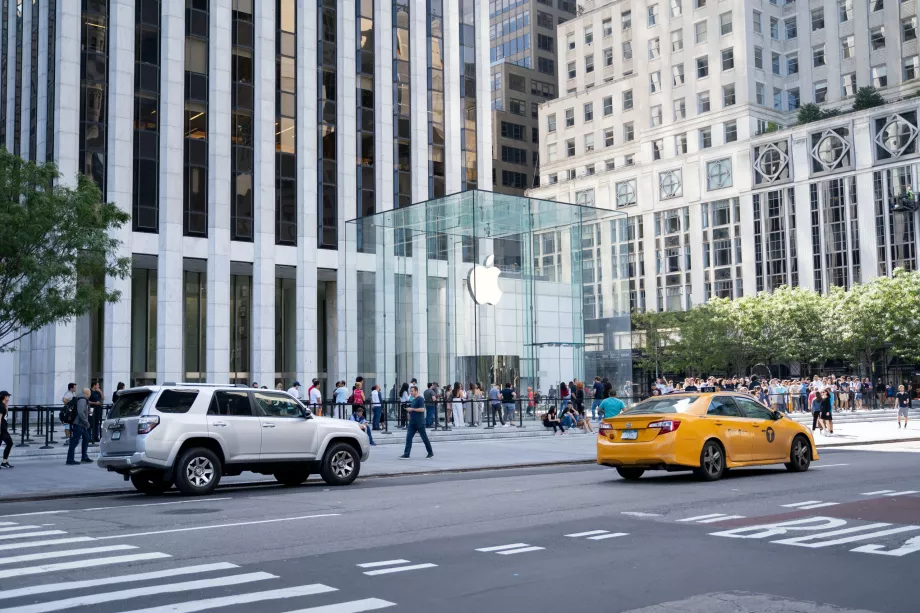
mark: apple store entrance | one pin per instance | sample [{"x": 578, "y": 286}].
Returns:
[{"x": 479, "y": 287}]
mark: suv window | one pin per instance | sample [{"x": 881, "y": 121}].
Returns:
[
  {"x": 234, "y": 404},
  {"x": 277, "y": 405},
  {"x": 723, "y": 406},
  {"x": 754, "y": 410},
  {"x": 176, "y": 401},
  {"x": 129, "y": 405}
]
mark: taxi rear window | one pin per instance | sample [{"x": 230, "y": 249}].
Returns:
[{"x": 662, "y": 404}]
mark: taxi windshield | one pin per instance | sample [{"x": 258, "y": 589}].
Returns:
[{"x": 662, "y": 404}]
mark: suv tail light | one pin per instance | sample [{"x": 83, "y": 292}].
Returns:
[
  {"x": 668, "y": 425},
  {"x": 147, "y": 423}
]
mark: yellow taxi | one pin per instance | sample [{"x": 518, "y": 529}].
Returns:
[{"x": 707, "y": 433}]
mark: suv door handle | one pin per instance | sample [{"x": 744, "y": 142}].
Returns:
[
  {"x": 219, "y": 424},
  {"x": 268, "y": 425}
]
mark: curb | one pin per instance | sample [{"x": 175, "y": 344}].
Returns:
[{"x": 912, "y": 439}]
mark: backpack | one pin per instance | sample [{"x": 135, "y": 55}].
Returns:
[{"x": 68, "y": 413}]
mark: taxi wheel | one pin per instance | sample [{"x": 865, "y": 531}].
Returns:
[
  {"x": 631, "y": 474},
  {"x": 800, "y": 456},
  {"x": 712, "y": 462}
]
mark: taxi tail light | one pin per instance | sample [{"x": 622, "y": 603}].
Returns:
[
  {"x": 668, "y": 425},
  {"x": 604, "y": 428},
  {"x": 147, "y": 423}
]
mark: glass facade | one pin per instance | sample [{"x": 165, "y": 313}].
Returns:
[
  {"x": 469, "y": 177},
  {"x": 195, "y": 179},
  {"x": 143, "y": 325},
  {"x": 672, "y": 259},
  {"x": 722, "y": 276},
  {"x": 94, "y": 74},
  {"x": 52, "y": 70},
  {"x": 402, "y": 106},
  {"x": 147, "y": 57},
  {"x": 365, "y": 179},
  {"x": 5, "y": 37},
  {"x": 285, "y": 326},
  {"x": 775, "y": 252},
  {"x": 195, "y": 322},
  {"x": 33, "y": 90},
  {"x": 327, "y": 167},
  {"x": 240, "y": 326},
  {"x": 286, "y": 123},
  {"x": 241, "y": 137},
  {"x": 895, "y": 230},
  {"x": 17, "y": 106},
  {"x": 437, "y": 186}
]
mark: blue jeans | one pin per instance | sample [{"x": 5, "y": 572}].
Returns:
[
  {"x": 429, "y": 415},
  {"x": 370, "y": 436},
  {"x": 509, "y": 411},
  {"x": 377, "y": 411},
  {"x": 595, "y": 405},
  {"x": 414, "y": 427},
  {"x": 78, "y": 433},
  {"x": 567, "y": 421},
  {"x": 565, "y": 403}
]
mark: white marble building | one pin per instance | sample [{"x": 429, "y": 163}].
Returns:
[
  {"x": 682, "y": 113},
  {"x": 241, "y": 137}
]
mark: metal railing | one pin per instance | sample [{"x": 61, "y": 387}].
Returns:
[{"x": 38, "y": 424}]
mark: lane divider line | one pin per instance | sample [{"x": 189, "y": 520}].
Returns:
[
  {"x": 397, "y": 569},
  {"x": 612, "y": 535},
  {"x": 384, "y": 563},
  {"x": 227, "y": 601},
  {"x": 509, "y": 552},
  {"x": 500, "y": 547}
]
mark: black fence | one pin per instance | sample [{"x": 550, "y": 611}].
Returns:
[{"x": 39, "y": 424}]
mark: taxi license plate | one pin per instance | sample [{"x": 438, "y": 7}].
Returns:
[
  {"x": 116, "y": 435},
  {"x": 630, "y": 435}
]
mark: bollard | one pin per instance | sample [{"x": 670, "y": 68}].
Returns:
[{"x": 52, "y": 418}]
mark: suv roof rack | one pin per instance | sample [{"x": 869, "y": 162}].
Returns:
[{"x": 193, "y": 384}]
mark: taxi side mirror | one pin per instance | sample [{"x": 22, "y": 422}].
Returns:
[{"x": 777, "y": 415}]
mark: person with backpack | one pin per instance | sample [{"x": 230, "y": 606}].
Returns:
[
  {"x": 5, "y": 437},
  {"x": 67, "y": 399},
  {"x": 80, "y": 430}
]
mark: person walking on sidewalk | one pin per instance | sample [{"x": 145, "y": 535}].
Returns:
[
  {"x": 5, "y": 437},
  {"x": 508, "y": 397},
  {"x": 68, "y": 397},
  {"x": 495, "y": 404},
  {"x": 80, "y": 430},
  {"x": 416, "y": 412},
  {"x": 903, "y": 400},
  {"x": 598, "y": 397}
]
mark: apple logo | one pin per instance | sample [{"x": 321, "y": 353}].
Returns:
[{"x": 483, "y": 283}]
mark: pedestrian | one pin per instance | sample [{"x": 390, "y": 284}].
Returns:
[
  {"x": 279, "y": 386},
  {"x": 5, "y": 437},
  {"x": 357, "y": 396},
  {"x": 255, "y": 385},
  {"x": 495, "y": 404},
  {"x": 295, "y": 390},
  {"x": 892, "y": 392},
  {"x": 376, "y": 405},
  {"x": 564, "y": 395},
  {"x": 904, "y": 401},
  {"x": 531, "y": 402},
  {"x": 430, "y": 399},
  {"x": 80, "y": 430},
  {"x": 551, "y": 421},
  {"x": 458, "y": 396},
  {"x": 95, "y": 412},
  {"x": 827, "y": 417},
  {"x": 340, "y": 395},
  {"x": 598, "y": 389},
  {"x": 416, "y": 412},
  {"x": 358, "y": 416},
  {"x": 404, "y": 399},
  {"x": 68, "y": 397},
  {"x": 315, "y": 397},
  {"x": 476, "y": 405},
  {"x": 579, "y": 400},
  {"x": 611, "y": 406},
  {"x": 118, "y": 389},
  {"x": 508, "y": 396}
]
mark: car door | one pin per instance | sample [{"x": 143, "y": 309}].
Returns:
[
  {"x": 768, "y": 442},
  {"x": 729, "y": 425},
  {"x": 286, "y": 433},
  {"x": 234, "y": 423}
]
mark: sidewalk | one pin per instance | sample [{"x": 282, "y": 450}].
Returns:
[{"x": 43, "y": 478}]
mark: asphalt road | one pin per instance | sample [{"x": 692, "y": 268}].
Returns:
[{"x": 575, "y": 538}]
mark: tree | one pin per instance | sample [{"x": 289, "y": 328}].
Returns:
[
  {"x": 899, "y": 314},
  {"x": 654, "y": 337},
  {"x": 867, "y": 98},
  {"x": 56, "y": 249},
  {"x": 809, "y": 112}
]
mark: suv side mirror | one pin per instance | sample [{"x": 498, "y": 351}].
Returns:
[{"x": 307, "y": 414}]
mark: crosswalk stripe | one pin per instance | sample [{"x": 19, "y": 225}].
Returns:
[
  {"x": 34, "y": 513},
  {"x": 904, "y": 493},
  {"x": 46, "y": 543},
  {"x": 151, "y": 504},
  {"x": 397, "y": 569},
  {"x": 90, "y": 599},
  {"x": 508, "y": 552},
  {"x": 847, "y": 539},
  {"x": 47, "y": 568},
  {"x": 611, "y": 535},
  {"x": 820, "y": 505},
  {"x": 880, "y": 492},
  {"x": 14, "y": 528},
  {"x": 500, "y": 547},
  {"x": 699, "y": 517},
  {"x": 355, "y": 606},
  {"x": 7, "y": 523},
  {"x": 225, "y": 601},
  {"x": 78, "y": 585},
  {"x": 800, "y": 504},
  {"x": 592, "y": 532},
  {"x": 69, "y": 553},
  {"x": 20, "y": 535},
  {"x": 384, "y": 563},
  {"x": 713, "y": 520}
]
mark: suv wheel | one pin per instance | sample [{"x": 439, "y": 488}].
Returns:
[
  {"x": 341, "y": 464},
  {"x": 197, "y": 471},
  {"x": 150, "y": 482},
  {"x": 292, "y": 476}
]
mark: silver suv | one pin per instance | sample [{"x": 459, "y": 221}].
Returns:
[{"x": 192, "y": 434}]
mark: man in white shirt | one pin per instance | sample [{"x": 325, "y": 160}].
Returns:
[
  {"x": 295, "y": 390},
  {"x": 314, "y": 397}
]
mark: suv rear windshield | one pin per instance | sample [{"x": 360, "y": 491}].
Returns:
[
  {"x": 664, "y": 404},
  {"x": 129, "y": 404},
  {"x": 176, "y": 401}
]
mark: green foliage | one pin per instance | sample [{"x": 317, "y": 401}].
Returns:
[
  {"x": 867, "y": 98},
  {"x": 812, "y": 112},
  {"x": 56, "y": 249}
]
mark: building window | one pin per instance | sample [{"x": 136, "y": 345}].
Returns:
[
  {"x": 516, "y": 180},
  {"x": 629, "y": 159},
  {"x": 608, "y": 106},
  {"x": 677, "y": 74},
  {"x": 909, "y": 29},
  {"x": 776, "y": 64},
  {"x": 551, "y": 152},
  {"x": 195, "y": 189},
  {"x": 5, "y": 38},
  {"x": 680, "y": 109},
  {"x": 286, "y": 121},
  {"x": 544, "y": 20},
  {"x": 817, "y": 19},
  {"x": 589, "y": 63},
  {"x": 589, "y": 170},
  {"x": 830, "y": 150},
  {"x": 777, "y": 98},
  {"x": 702, "y": 102},
  {"x": 327, "y": 97},
  {"x": 626, "y": 20},
  {"x": 569, "y": 118},
  {"x": 570, "y": 174},
  {"x": 551, "y": 123},
  {"x": 876, "y": 5},
  {"x": 627, "y": 100},
  {"x": 654, "y": 48},
  {"x": 845, "y": 10},
  {"x": 731, "y": 131},
  {"x": 702, "y": 67},
  {"x": 654, "y": 85},
  {"x": 728, "y": 95},
  {"x": 588, "y": 111},
  {"x": 546, "y": 65},
  {"x": 546, "y": 43},
  {"x": 760, "y": 93},
  {"x": 628, "y": 132},
  {"x": 911, "y": 68},
  {"x": 145, "y": 192},
  {"x": 553, "y": 179},
  {"x": 626, "y": 193},
  {"x": 93, "y": 91},
  {"x": 514, "y": 131},
  {"x": 792, "y": 64},
  {"x": 677, "y": 40},
  {"x": 608, "y": 137},
  {"x": 791, "y": 29},
  {"x": 758, "y": 22},
  {"x": 793, "y": 98},
  {"x": 657, "y": 149},
  {"x": 848, "y": 47},
  {"x": 677, "y": 8},
  {"x": 608, "y": 56},
  {"x": 718, "y": 174},
  {"x": 758, "y": 58},
  {"x": 817, "y": 54},
  {"x": 879, "y": 76},
  {"x": 609, "y": 164},
  {"x": 607, "y": 27},
  {"x": 877, "y": 38},
  {"x": 699, "y": 30},
  {"x": 771, "y": 163},
  {"x": 656, "y": 116},
  {"x": 589, "y": 35},
  {"x": 705, "y": 138},
  {"x": 774, "y": 28},
  {"x": 698, "y": 4},
  {"x": 820, "y": 91},
  {"x": 725, "y": 23},
  {"x": 572, "y": 70},
  {"x": 570, "y": 148},
  {"x": 627, "y": 50},
  {"x": 728, "y": 59},
  {"x": 680, "y": 143},
  {"x": 848, "y": 84},
  {"x": 653, "y": 15}
]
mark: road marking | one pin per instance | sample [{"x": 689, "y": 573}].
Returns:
[
  {"x": 500, "y": 547},
  {"x": 77, "y": 585},
  {"x": 592, "y": 532},
  {"x": 640, "y": 514},
  {"x": 717, "y": 519},
  {"x": 699, "y": 517},
  {"x": 508, "y": 552},
  {"x": 226, "y": 601},
  {"x": 12, "y": 523},
  {"x": 397, "y": 569},
  {"x": 878, "y": 493},
  {"x": 385, "y": 563},
  {"x": 47, "y": 568},
  {"x": 14, "y": 528},
  {"x": 607, "y": 536},
  {"x": 242, "y": 523},
  {"x": 7, "y": 537},
  {"x": 355, "y": 606},
  {"x": 819, "y": 505},
  {"x": 97, "y": 598},
  {"x": 811, "y": 537},
  {"x": 34, "y": 513},
  {"x": 32, "y": 544},
  {"x": 829, "y": 465},
  {"x": 800, "y": 504},
  {"x": 150, "y": 504},
  {"x": 850, "y": 539},
  {"x": 904, "y": 493},
  {"x": 70, "y": 553}
]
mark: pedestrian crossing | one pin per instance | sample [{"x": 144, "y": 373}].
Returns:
[
  {"x": 597, "y": 535},
  {"x": 509, "y": 550},
  {"x": 27, "y": 554},
  {"x": 711, "y": 518},
  {"x": 891, "y": 493},
  {"x": 807, "y": 505}
]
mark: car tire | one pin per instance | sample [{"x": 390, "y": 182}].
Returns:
[
  {"x": 150, "y": 482},
  {"x": 712, "y": 462},
  {"x": 292, "y": 477},
  {"x": 631, "y": 474},
  {"x": 799, "y": 455},
  {"x": 197, "y": 472},
  {"x": 341, "y": 464}
]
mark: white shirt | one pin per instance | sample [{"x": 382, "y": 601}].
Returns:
[
  {"x": 295, "y": 392},
  {"x": 315, "y": 397},
  {"x": 375, "y": 398}
]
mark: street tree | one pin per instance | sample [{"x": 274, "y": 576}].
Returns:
[{"x": 57, "y": 248}]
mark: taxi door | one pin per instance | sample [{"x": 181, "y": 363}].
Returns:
[
  {"x": 769, "y": 442},
  {"x": 729, "y": 425}
]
